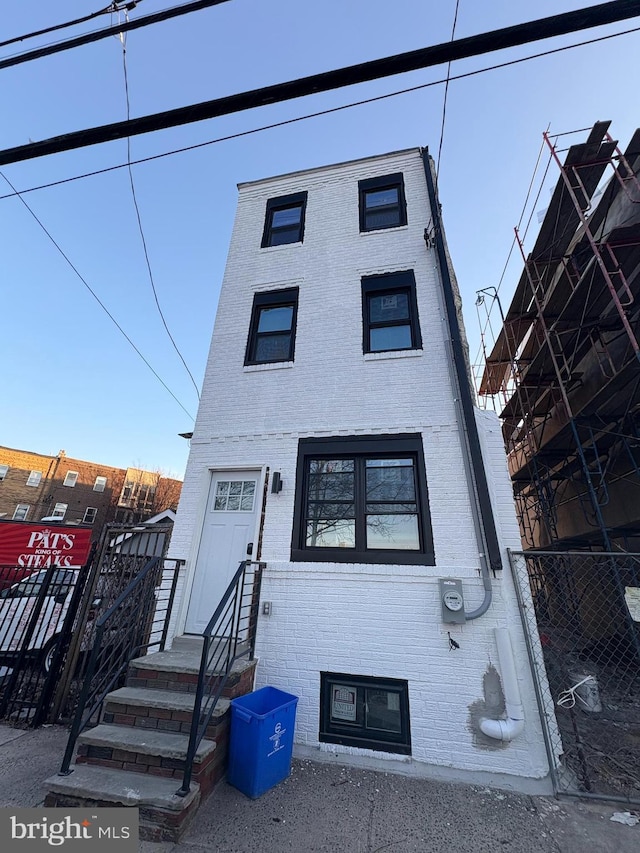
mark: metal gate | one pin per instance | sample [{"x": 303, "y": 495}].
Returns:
[
  {"x": 581, "y": 613},
  {"x": 123, "y": 552},
  {"x": 37, "y": 612}
]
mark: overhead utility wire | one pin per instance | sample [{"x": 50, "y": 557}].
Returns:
[
  {"x": 112, "y": 7},
  {"x": 95, "y": 295},
  {"x": 446, "y": 92},
  {"x": 317, "y": 114},
  {"x": 519, "y": 34},
  {"x": 139, "y": 218},
  {"x": 97, "y": 35}
]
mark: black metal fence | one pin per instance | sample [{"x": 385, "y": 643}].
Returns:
[
  {"x": 581, "y": 611},
  {"x": 135, "y": 624},
  {"x": 37, "y": 612},
  {"x": 123, "y": 552},
  {"x": 229, "y": 636}
]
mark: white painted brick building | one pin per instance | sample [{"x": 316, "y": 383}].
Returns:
[{"x": 332, "y": 370}]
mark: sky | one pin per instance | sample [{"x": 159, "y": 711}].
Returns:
[{"x": 70, "y": 379}]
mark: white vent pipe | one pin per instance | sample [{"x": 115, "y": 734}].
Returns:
[{"x": 510, "y": 728}]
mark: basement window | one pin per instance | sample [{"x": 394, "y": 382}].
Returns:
[
  {"x": 372, "y": 713},
  {"x": 284, "y": 220}
]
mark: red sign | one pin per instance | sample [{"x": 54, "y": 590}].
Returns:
[{"x": 38, "y": 546}]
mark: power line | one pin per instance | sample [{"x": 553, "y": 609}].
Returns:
[
  {"x": 446, "y": 91},
  {"x": 139, "y": 218},
  {"x": 543, "y": 28},
  {"x": 95, "y": 295},
  {"x": 97, "y": 35},
  {"x": 321, "y": 113},
  {"x": 112, "y": 7}
]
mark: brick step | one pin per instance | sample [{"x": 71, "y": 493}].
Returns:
[
  {"x": 164, "y": 710},
  {"x": 163, "y": 815},
  {"x": 158, "y": 753},
  {"x": 179, "y": 670}
]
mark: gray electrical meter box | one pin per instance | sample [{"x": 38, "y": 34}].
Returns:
[{"x": 452, "y": 600}]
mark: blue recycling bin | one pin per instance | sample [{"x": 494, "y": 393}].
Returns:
[{"x": 261, "y": 745}]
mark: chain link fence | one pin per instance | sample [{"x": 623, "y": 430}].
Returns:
[{"x": 581, "y": 613}]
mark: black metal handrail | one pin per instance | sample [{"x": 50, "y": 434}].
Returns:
[
  {"x": 136, "y": 622},
  {"x": 229, "y": 636}
]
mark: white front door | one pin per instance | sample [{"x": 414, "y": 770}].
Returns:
[{"x": 229, "y": 526}]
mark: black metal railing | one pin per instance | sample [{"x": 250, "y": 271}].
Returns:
[
  {"x": 135, "y": 624},
  {"x": 229, "y": 637}
]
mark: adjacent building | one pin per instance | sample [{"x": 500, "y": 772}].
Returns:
[
  {"x": 35, "y": 486},
  {"x": 337, "y": 442}
]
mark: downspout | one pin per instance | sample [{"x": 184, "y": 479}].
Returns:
[
  {"x": 482, "y": 511},
  {"x": 506, "y": 730}
]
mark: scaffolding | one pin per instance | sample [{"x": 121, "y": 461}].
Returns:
[{"x": 565, "y": 364}]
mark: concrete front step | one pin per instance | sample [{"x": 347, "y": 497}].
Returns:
[
  {"x": 188, "y": 642},
  {"x": 164, "y": 710},
  {"x": 158, "y": 753},
  {"x": 179, "y": 671},
  {"x": 163, "y": 815}
]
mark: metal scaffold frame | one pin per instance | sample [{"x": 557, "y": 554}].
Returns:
[{"x": 565, "y": 365}]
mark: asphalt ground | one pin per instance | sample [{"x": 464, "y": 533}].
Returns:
[{"x": 335, "y": 809}]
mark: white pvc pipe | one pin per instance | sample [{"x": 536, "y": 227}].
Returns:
[{"x": 510, "y": 728}]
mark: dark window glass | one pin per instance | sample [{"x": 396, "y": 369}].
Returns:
[
  {"x": 284, "y": 220},
  {"x": 390, "y": 312},
  {"x": 272, "y": 328},
  {"x": 363, "y": 711},
  {"x": 382, "y": 203},
  {"x": 359, "y": 500}
]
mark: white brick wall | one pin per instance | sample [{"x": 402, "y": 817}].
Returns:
[{"x": 363, "y": 619}]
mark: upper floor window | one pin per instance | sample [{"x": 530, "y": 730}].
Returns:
[
  {"x": 284, "y": 220},
  {"x": 382, "y": 202},
  {"x": 390, "y": 312},
  {"x": 4, "y": 470},
  {"x": 100, "y": 484},
  {"x": 90, "y": 515},
  {"x": 71, "y": 479},
  {"x": 34, "y": 478},
  {"x": 273, "y": 327},
  {"x": 362, "y": 499},
  {"x": 21, "y": 512},
  {"x": 60, "y": 510}
]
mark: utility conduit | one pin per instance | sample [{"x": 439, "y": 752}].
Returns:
[{"x": 506, "y": 730}]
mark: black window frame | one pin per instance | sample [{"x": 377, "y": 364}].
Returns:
[
  {"x": 403, "y": 281},
  {"x": 283, "y": 202},
  {"x": 384, "y": 182},
  {"x": 271, "y": 299},
  {"x": 356, "y": 733},
  {"x": 362, "y": 447}
]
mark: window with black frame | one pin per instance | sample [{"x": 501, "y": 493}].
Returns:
[
  {"x": 364, "y": 711},
  {"x": 362, "y": 499},
  {"x": 390, "y": 312},
  {"x": 382, "y": 202},
  {"x": 284, "y": 220},
  {"x": 273, "y": 327}
]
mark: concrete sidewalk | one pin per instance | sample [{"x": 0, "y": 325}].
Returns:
[{"x": 328, "y": 808}]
